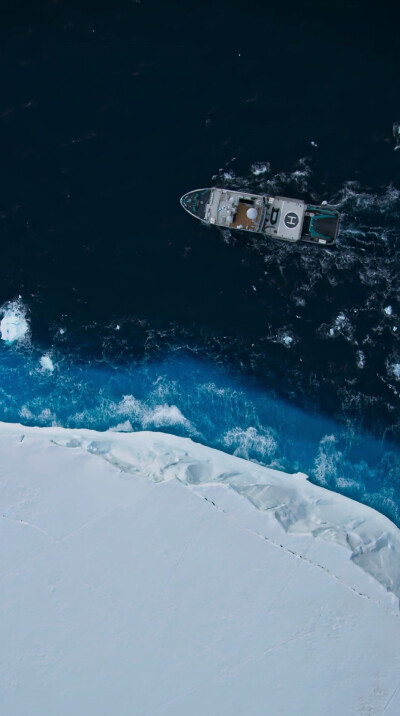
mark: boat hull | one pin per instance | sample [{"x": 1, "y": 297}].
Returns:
[{"x": 278, "y": 217}]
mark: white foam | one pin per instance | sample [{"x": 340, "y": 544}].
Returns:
[
  {"x": 396, "y": 370},
  {"x": 26, "y": 413},
  {"x": 259, "y": 168},
  {"x": 125, "y": 427},
  {"x": 340, "y": 326},
  {"x": 129, "y": 405},
  {"x": 287, "y": 340},
  {"x": 360, "y": 359},
  {"x": 325, "y": 464},
  {"x": 285, "y": 337},
  {"x": 153, "y": 416},
  {"x": 164, "y": 415},
  {"x": 46, "y": 416},
  {"x": 14, "y": 325},
  {"x": 262, "y": 443}
]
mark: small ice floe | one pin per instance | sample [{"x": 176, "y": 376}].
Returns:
[
  {"x": 13, "y": 325},
  {"x": 61, "y": 331},
  {"x": 313, "y": 144},
  {"x": 287, "y": 340},
  {"x": 47, "y": 364},
  {"x": 388, "y": 310}
]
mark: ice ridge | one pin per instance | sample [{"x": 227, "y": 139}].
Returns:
[{"x": 298, "y": 506}]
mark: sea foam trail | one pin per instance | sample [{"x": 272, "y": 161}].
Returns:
[{"x": 295, "y": 504}]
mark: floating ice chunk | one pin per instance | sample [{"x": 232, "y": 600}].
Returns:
[
  {"x": 314, "y": 144},
  {"x": 13, "y": 325},
  {"x": 388, "y": 310},
  {"x": 287, "y": 340},
  {"x": 47, "y": 364}
]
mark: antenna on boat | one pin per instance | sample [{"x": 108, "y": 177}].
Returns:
[{"x": 252, "y": 213}]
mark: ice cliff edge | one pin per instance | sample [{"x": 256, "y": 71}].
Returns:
[{"x": 290, "y": 501}]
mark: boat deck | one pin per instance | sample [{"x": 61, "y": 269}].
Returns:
[{"x": 242, "y": 221}]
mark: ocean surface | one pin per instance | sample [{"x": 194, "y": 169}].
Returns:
[{"x": 119, "y": 310}]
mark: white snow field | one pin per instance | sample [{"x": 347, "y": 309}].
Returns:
[{"x": 146, "y": 575}]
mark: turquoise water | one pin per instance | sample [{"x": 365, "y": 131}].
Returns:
[{"x": 197, "y": 399}]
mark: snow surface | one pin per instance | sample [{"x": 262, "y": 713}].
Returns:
[{"x": 146, "y": 574}]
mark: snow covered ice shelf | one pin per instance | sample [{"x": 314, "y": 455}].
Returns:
[{"x": 146, "y": 574}]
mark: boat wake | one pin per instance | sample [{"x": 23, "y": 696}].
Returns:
[{"x": 192, "y": 397}]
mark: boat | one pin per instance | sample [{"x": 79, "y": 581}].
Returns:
[{"x": 272, "y": 216}]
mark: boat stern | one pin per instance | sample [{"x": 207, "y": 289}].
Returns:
[{"x": 321, "y": 224}]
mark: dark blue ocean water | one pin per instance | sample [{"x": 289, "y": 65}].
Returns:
[{"x": 109, "y": 112}]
